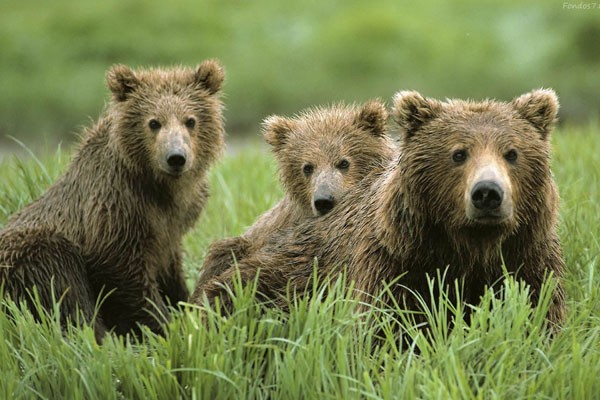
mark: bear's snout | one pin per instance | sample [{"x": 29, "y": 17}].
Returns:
[
  {"x": 176, "y": 159},
  {"x": 326, "y": 191},
  {"x": 174, "y": 152},
  {"x": 487, "y": 195},
  {"x": 323, "y": 200}
]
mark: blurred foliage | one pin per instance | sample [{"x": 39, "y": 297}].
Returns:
[{"x": 284, "y": 56}]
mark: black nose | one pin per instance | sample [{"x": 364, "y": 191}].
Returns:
[
  {"x": 324, "y": 204},
  {"x": 176, "y": 159},
  {"x": 487, "y": 195}
]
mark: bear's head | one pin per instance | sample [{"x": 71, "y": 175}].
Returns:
[
  {"x": 480, "y": 169},
  {"x": 322, "y": 152},
  {"x": 168, "y": 121}
]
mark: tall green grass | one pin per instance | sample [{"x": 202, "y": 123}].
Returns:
[{"x": 330, "y": 347}]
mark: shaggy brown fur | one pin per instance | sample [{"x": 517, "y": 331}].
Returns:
[
  {"x": 113, "y": 223},
  {"x": 471, "y": 188},
  {"x": 321, "y": 154}
]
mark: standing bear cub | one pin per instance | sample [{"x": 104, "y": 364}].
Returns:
[
  {"x": 321, "y": 154},
  {"x": 112, "y": 225},
  {"x": 471, "y": 191}
]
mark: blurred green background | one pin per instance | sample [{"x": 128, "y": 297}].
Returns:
[{"x": 282, "y": 56}]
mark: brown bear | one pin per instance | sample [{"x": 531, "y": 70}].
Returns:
[
  {"x": 471, "y": 190},
  {"x": 321, "y": 153},
  {"x": 110, "y": 229}
]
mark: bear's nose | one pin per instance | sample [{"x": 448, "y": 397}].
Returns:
[
  {"x": 176, "y": 159},
  {"x": 487, "y": 195},
  {"x": 324, "y": 204}
]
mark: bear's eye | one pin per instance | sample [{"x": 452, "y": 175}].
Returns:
[
  {"x": 308, "y": 169},
  {"x": 154, "y": 125},
  {"x": 459, "y": 156},
  {"x": 511, "y": 156},
  {"x": 190, "y": 123},
  {"x": 344, "y": 165}
]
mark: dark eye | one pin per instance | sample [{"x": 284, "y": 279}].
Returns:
[
  {"x": 344, "y": 164},
  {"x": 154, "y": 125},
  {"x": 190, "y": 123},
  {"x": 511, "y": 156},
  {"x": 308, "y": 169},
  {"x": 459, "y": 156}
]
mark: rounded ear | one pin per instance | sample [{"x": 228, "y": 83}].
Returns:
[
  {"x": 372, "y": 117},
  {"x": 539, "y": 107},
  {"x": 210, "y": 76},
  {"x": 121, "y": 81},
  {"x": 276, "y": 130},
  {"x": 411, "y": 110}
]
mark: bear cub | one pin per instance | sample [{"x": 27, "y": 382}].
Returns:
[
  {"x": 321, "y": 153},
  {"x": 110, "y": 229}
]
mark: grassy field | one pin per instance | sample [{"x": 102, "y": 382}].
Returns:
[{"x": 323, "y": 349}]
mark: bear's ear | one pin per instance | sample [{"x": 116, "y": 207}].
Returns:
[
  {"x": 121, "y": 81},
  {"x": 411, "y": 110},
  {"x": 539, "y": 107},
  {"x": 372, "y": 118},
  {"x": 210, "y": 76},
  {"x": 276, "y": 130}
]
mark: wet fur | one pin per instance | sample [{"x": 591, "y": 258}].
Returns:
[
  {"x": 320, "y": 136},
  {"x": 409, "y": 221},
  {"x": 113, "y": 223}
]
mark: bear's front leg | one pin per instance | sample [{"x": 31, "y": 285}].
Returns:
[
  {"x": 171, "y": 282},
  {"x": 545, "y": 258},
  {"x": 129, "y": 298},
  {"x": 220, "y": 286},
  {"x": 222, "y": 255},
  {"x": 549, "y": 261}
]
